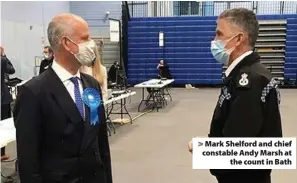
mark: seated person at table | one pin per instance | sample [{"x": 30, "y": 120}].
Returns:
[{"x": 164, "y": 71}]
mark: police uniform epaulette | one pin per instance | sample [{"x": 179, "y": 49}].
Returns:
[{"x": 272, "y": 85}]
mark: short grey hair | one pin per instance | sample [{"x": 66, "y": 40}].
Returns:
[
  {"x": 56, "y": 30},
  {"x": 245, "y": 19}
]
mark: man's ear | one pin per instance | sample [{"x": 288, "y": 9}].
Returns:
[
  {"x": 241, "y": 38},
  {"x": 66, "y": 44}
]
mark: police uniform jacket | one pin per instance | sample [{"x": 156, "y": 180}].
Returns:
[
  {"x": 248, "y": 106},
  {"x": 54, "y": 143}
]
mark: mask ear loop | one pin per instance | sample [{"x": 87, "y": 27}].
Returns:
[
  {"x": 228, "y": 40},
  {"x": 229, "y": 51},
  {"x": 71, "y": 40},
  {"x": 73, "y": 43}
]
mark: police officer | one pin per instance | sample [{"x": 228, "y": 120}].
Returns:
[{"x": 248, "y": 105}]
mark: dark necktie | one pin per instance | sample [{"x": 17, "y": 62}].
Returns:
[{"x": 78, "y": 99}]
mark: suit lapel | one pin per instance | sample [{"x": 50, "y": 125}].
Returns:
[
  {"x": 62, "y": 97},
  {"x": 66, "y": 103},
  {"x": 89, "y": 130}
]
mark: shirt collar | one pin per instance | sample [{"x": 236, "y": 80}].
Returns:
[
  {"x": 62, "y": 73},
  {"x": 236, "y": 62}
]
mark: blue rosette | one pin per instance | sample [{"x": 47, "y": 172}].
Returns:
[{"x": 92, "y": 98}]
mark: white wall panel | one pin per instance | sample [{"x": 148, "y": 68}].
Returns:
[
  {"x": 162, "y": 8},
  {"x": 95, "y": 13},
  {"x": 21, "y": 43},
  {"x": 219, "y": 7},
  {"x": 268, "y": 7},
  {"x": 248, "y": 5}
]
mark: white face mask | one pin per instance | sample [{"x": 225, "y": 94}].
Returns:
[
  {"x": 85, "y": 55},
  {"x": 47, "y": 57}
]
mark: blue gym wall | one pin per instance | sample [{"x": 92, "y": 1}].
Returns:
[
  {"x": 187, "y": 48},
  {"x": 291, "y": 48}
]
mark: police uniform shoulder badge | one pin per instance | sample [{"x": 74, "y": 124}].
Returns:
[{"x": 243, "y": 81}]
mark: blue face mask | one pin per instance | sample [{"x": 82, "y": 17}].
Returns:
[{"x": 219, "y": 52}]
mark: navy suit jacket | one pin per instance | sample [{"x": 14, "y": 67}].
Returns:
[{"x": 54, "y": 143}]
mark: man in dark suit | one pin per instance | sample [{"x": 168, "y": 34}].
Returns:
[
  {"x": 55, "y": 140},
  {"x": 6, "y": 98},
  {"x": 48, "y": 59}
]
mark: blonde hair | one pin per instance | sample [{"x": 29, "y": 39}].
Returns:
[{"x": 97, "y": 68}]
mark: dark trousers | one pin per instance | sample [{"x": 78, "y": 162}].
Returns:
[
  {"x": 266, "y": 179},
  {"x": 5, "y": 113}
]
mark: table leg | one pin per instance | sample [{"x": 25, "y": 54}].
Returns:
[
  {"x": 122, "y": 109},
  {"x": 142, "y": 100},
  {"x": 127, "y": 112},
  {"x": 155, "y": 99},
  {"x": 108, "y": 120},
  {"x": 164, "y": 102},
  {"x": 168, "y": 93}
]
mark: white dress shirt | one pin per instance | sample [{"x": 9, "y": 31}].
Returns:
[
  {"x": 65, "y": 77},
  {"x": 236, "y": 62}
]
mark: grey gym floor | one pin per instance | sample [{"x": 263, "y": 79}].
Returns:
[{"x": 154, "y": 148}]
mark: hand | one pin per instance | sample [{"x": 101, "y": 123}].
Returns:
[{"x": 190, "y": 145}]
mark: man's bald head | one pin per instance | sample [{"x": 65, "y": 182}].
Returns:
[{"x": 63, "y": 25}]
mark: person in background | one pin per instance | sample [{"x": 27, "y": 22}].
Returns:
[
  {"x": 6, "y": 98},
  {"x": 112, "y": 72},
  {"x": 98, "y": 71},
  {"x": 48, "y": 59},
  {"x": 248, "y": 106},
  {"x": 58, "y": 137},
  {"x": 163, "y": 69}
]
